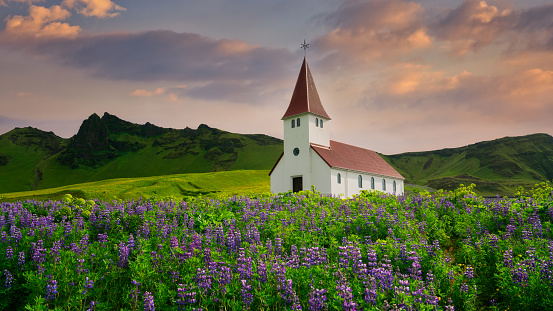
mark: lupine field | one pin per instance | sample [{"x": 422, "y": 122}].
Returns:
[{"x": 304, "y": 251}]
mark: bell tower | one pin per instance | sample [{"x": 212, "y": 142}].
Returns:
[{"x": 305, "y": 120}]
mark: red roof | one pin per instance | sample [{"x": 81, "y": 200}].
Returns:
[
  {"x": 354, "y": 158},
  {"x": 305, "y": 97}
]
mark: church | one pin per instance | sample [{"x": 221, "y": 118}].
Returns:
[{"x": 310, "y": 158}]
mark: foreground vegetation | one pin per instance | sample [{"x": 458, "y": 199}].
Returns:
[{"x": 300, "y": 251}]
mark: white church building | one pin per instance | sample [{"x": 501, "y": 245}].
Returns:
[{"x": 310, "y": 158}]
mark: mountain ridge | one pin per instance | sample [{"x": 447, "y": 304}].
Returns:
[{"x": 109, "y": 147}]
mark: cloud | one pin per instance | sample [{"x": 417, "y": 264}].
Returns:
[
  {"x": 170, "y": 94},
  {"x": 42, "y": 22},
  {"x": 215, "y": 69},
  {"x": 476, "y": 24},
  {"x": 522, "y": 96},
  {"x": 5, "y": 2},
  {"x": 95, "y": 8},
  {"x": 145, "y": 93},
  {"x": 375, "y": 30}
]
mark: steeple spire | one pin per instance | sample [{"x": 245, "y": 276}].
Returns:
[{"x": 305, "y": 97}]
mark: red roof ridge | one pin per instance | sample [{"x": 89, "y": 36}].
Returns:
[
  {"x": 354, "y": 158},
  {"x": 320, "y": 146},
  {"x": 274, "y": 166}
]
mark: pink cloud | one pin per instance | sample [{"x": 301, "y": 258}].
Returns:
[
  {"x": 95, "y": 8},
  {"x": 42, "y": 22},
  {"x": 371, "y": 31}
]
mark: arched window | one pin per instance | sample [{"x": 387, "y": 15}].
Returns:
[
  {"x": 384, "y": 184},
  {"x": 321, "y": 123},
  {"x": 298, "y": 122},
  {"x": 339, "y": 177},
  {"x": 372, "y": 183},
  {"x": 316, "y": 121},
  {"x": 360, "y": 181},
  {"x": 394, "y": 186},
  {"x": 293, "y": 123}
]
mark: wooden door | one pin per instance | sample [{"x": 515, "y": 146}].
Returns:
[{"x": 297, "y": 184}]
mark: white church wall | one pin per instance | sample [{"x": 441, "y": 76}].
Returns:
[
  {"x": 318, "y": 130},
  {"x": 278, "y": 179},
  {"x": 320, "y": 173},
  {"x": 339, "y": 188},
  {"x": 350, "y": 183}
]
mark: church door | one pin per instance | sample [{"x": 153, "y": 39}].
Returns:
[{"x": 297, "y": 184}]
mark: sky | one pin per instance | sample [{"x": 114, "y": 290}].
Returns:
[{"x": 394, "y": 75}]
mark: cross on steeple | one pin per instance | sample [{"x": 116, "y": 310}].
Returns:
[{"x": 304, "y": 46}]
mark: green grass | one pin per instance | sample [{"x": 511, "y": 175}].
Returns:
[{"x": 240, "y": 182}]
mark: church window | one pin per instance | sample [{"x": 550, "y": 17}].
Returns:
[
  {"x": 317, "y": 122},
  {"x": 339, "y": 177},
  {"x": 360, "y": 181},
  {"x": 394, "y": 186},
  {"x": 298, "y": 122},
  {"x": 372, "y": 183},
  {"x": 293, "y": 123},
  {"x": 321, "y": 123},
  {"x": 384, "y": 184}
]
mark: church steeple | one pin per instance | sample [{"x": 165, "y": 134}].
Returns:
[{"x": 305, "y": 97}]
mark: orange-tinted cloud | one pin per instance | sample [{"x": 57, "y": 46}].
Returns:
[
  {"x": 95, "y": 8},
  {"x": 42, "y": 22},
  {"x": 370, "y": 31},
  {"x": 145, "y": 93}
]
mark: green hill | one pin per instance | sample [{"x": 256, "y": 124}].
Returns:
[
  {"x": 109, "y": 147},
  {"x": 240, "y": 182},
  {"x": 496, "y": 167}
]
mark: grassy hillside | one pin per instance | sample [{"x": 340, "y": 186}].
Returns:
[
  {"x": 108, "y": 147},
  {"x": 496, "y": 167},
  {"x": 239, "y": 182}
]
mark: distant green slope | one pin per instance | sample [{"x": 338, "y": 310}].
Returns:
[
  {"x": 109, "y": 147},
  {"x": 240, "y": 182},
  {"x": 496, "y": 167}
]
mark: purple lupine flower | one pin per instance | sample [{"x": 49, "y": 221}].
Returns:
[
  {"x": 67, "y": 227},
  {"x": 469, "y": 273},
  {"x": 370, "y": 294},
  {"x": 207, "y": 255},
  {"x": 244, "y": 265},
  {"x": 92, "y": 306},
  {"x": 174, "y": 242},
  {"x": 317, "y": 299},
  {"x": 464, "y": 288},
  {"x": 9, "y": 253},
  {"x": 203, "y": 280},
  {"x": 123, "y": 255},
  {"x": 287, "y": 291},
  {"x": 102, "y": 238},
  {"x": 149, "y": 302},
  {"x": 508, "y": 258},
  {"x": 130, "y": 242},
  {"x": 185, "y": 296},
  {"x": 135, "y": 291},
  {"x": 9, "y": 279},
  {"x": 278, "y": 246},
  {"x": 247, "y": 297},
  {"x": 55, "y": 250},
  {"x": 346, "y": 293},
  {"x": 88, "y": 284},
  {"x": 51, "y": 288},
  {"x": 21, "y": 260},
  {"x": 262, "y": 271},
  {"x": 520, "y": 275}
]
